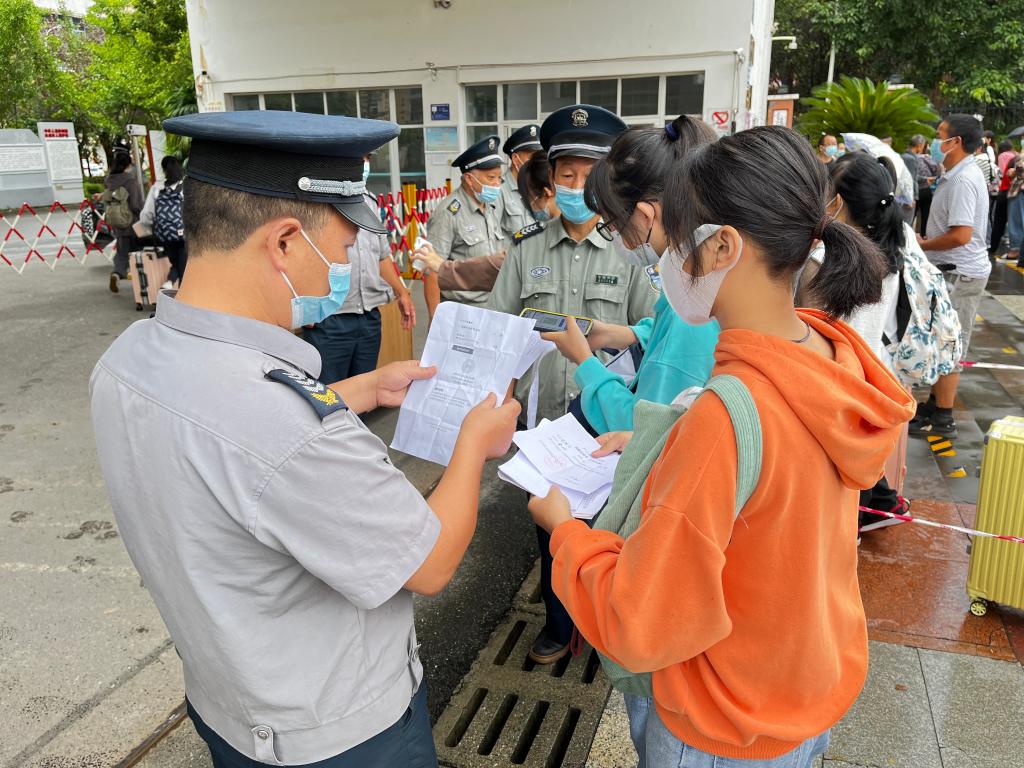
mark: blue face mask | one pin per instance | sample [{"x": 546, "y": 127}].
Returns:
[
  {"x": 832, "y": 151},
  {"x": 542, "y": 215},
  {"x": 486, "y": 194},
  {"x": 310, "y": 310},
  {"x": 936, "y": 150},
  {"x": 570, "y": 203},
  {"x": 366, "y": 170}
]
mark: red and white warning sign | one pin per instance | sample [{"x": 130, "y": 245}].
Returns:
[{"x": 720, "y": 120}]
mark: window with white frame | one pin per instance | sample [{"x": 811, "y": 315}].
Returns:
[
  {"x": 399, "y": 162},
  {"x": 501, "y": 108}
]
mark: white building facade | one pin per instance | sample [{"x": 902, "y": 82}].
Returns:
[{"x": 451, "y": 71}]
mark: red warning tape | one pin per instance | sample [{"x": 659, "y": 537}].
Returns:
[{"x": 947, "y": 526}]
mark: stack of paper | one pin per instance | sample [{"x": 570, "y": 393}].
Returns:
[
  {"x": 558, "y": 453},
  {"x": 477, "y": 351}
]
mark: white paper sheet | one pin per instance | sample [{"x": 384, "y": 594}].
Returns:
[
  {"x": 476, "y": 351},
  {"x": 520, "y": 472},
  {"x": 561, "y": 450}
]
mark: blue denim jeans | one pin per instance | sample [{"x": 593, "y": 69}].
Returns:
[
  {"x": 658, "y": 748},
  {"x": 1015, "y": 221}
]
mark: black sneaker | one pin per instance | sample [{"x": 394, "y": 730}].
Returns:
[
  {"x": 936, "y": 424},
  {"x": 870, "y": 522},
  {"x": 922, "y": 415}
]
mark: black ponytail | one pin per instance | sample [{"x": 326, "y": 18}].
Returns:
[
  {"x": 867, "y": 186},
  {"x": 767, "y": 183},
  {"x": 852, "y": 272},
  {"x": 534, "y": 177},
  {"x": 637, "y": 167}
]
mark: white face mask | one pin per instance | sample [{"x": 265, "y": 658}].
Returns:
[
  {"x": 642, "y": 256},
  {"x": 692, "y": 299}
]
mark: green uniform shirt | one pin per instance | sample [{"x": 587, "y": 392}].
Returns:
[
  {"x": 514, "y": 213},
  {"x": 549, "y": 270},
  {"x": 460, "y": 229}
]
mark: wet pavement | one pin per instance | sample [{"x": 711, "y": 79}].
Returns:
[{"x": 945, "y": 687}]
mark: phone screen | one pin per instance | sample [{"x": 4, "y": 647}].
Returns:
[{"x": 549, "y": 322}]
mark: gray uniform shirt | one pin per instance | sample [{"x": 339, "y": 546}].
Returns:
[
  {"x": 514, "y": 213},
  {"x": 460, "y": 229},
  {"x": 275, "y": 543},
  {"x": 961, "y": 200},
  {"x": 367, "y": 289},
  {"x": 552, "y": 271}
]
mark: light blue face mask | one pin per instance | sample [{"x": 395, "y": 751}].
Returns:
[
  {"x": 366, "y": 170},
  {"x": 542, "y": 215},
  {"x": 310, "y": 310},
  {"x": 487, "y": 194},
  {"x": 570, "y": 203}
]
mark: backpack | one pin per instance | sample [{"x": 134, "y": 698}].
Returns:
[
  {"x": 927, "y": 343},
  {"x": 168, "y": 226},
  {"x": 117, "y": 212},
  {"x": 651, "y": 424}
]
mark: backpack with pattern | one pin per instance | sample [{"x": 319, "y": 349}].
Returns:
[
  {"x": 168, "y": 225},
  {"x": 927, "y": 341}
]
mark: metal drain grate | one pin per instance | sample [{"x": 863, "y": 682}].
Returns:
[{"x": 509, "y": 711}]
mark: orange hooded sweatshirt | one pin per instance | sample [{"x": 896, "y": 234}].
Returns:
[{"x": 754, "y": 632}]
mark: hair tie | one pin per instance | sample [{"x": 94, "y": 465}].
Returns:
[
  {"x": 825, "y": 223},
  {"x": 887, "y": 199},
  {"x": 671, "y": 132}
]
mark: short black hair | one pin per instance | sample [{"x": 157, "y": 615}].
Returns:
[
  {"x": 637, "y": 167},
  {"x": 534, "y": 177},
  {"x": 967, "y": 127},
  {"x": 172, "y": 169},
  {"x": 221, "y": 219},
  {"x": 767, "y": 183},
  {"x": 1005, "y": 146},
  {"x": 122, "y": 160}
]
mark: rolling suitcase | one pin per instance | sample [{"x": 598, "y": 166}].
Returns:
[
  {"x": 996, "y": 571},
  {"x": 149, "y": 270}
]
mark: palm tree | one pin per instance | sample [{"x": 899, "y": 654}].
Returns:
[
  {"x": 182, "y": 101},
  {"x": 856, "y": 105}
]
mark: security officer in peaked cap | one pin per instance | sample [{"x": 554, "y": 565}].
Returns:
[
  {"x": 467, "y": 223},
  {"x": 520, "y": 147},
  {"x": 277, "y": 540},
  {"x": 567, "y": 267}
]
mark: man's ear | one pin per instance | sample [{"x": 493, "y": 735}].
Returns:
[{"x": 280, "y": 239}]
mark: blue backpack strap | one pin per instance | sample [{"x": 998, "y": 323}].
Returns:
[{"x": 746, "y": 424}]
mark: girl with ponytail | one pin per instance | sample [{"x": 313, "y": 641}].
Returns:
[{"x": 751, "y": 626}]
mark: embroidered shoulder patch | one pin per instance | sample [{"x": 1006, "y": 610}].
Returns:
[
  {"x": 528, "y": 231},
  {"x": 324, "y": 400},
  {"x": 606, "y": 279},
  {"x": 454, "y": 207},
  {"x": 655, "y": 278}
]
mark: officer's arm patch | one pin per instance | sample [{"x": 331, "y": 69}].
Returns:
[
  {"x": 454, "y": 207},
  {"x": 528, "y": 231},
  {"x": 324, "y": 400}
]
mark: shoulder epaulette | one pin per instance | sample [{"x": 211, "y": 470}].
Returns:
[
  {"x": 528, "y": 231},
  {"x": 454, "y": 207},
  {"x": 322, "y": 398}
]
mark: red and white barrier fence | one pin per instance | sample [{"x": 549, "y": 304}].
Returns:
[
  {"x": 29, "y": 235},
  {"x": 944, "y": 526}
]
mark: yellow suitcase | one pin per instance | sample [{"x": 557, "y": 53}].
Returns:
[{"x": 996, "y": 571}]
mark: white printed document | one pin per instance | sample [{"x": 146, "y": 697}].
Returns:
[
  {"x": 477, "y": 351},
  {"x": 558, "y": 453}
]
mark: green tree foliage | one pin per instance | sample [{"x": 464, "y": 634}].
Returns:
[
  {"x": 128, "y": 62},
  {"x": 964, "y": 51},
  {"x": 854, "y": 105},
  {"x": 28, "y": 65}
]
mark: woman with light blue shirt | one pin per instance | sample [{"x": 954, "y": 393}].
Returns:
[{"x": 626, "y": 188}]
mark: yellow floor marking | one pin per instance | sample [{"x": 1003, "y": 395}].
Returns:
[
  {"x": 959, "y": 472},
  {"x": 934, "y": 438},
  {"x": 979, "y": 319},
  {"x": 1009, "y": 350},
  {"x": 936, "y": 447},
  {"x": 950, "y": 452}
]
